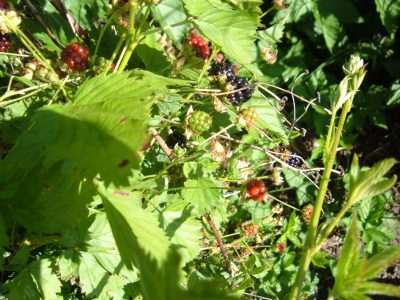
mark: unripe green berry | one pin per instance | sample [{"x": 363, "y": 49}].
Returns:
[{"x": 200, "y": 121}]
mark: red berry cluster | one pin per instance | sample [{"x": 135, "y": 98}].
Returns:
[
  {"x": 256, "y": 190},
  {"x": 5, "y": 43},
  {"x": 200, "y": 46},
  {"x": 251, "y": 229},
  {"x": 75, "y": 56}
]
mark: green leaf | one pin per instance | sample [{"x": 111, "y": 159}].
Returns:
[
  {"x": 84, "y": 11},
  {"x": 269, "y": 118},
  {"x": 370, "y": 182},
  {"x": 68, "y": 263},
  {"x": 152, "y": 56},
  {"x": 183, "y": 229},
  {"x": 170, "y": 12},
  {"x": 37, "y": 281},
  {"x": 229, "y": 29},
  {"x": 381, "y": 261},
  {"x": 293, "y": 228},
  {"x": 68, "y": 145},
  {"x": 320, "y": 260},
  {"x": 394, "y": 98},
  {"x": 134, "y": 229},
  {"x": 377, "y": 288},
  {"x": 389, "y": 12},
  {"x": 349, "y": 254},
  {"x": 305, "y": 191},
  {"x": 204, "y": 194},
  {"x": 272, "y": 35},
  {"x": 327, "y": 23}
]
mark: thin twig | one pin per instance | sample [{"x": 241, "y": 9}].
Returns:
[
  {"x": 162, "y": 144},
  {"x": 219, "y": 241}
]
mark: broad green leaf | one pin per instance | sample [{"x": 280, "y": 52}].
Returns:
[
  {"x": 37, "y": 281},
  {"x": 170, "y": 12},
  {"x": 327, "y": 23},
  {"x": 389, "y": 11},
  {"x": 230, "y": 30},
  {"x": 269, "y": 118},
  {"x": 135, "y": 230},
  {"x": 204, "y": 194},
  {"x": 381, "y": 261},
  {"x": 93, "y": 256},
  {"x": 68, "y": 264},
  {"x": 378, "y": 288},
  {"x": 183, "y": 229},
  {"x": 68, "y": 145}
]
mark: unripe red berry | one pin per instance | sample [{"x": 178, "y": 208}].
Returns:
[
  {"x": 75, "y": 56},
  {"x": 256, "y": 190}
]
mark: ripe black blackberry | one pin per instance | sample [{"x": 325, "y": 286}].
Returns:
[
  {"x": 176, "y": 138},
  {"x": 241, "y": 96},
  {"x": 5, "y": 43},
  {"x": 224, "y": 68},
  {"x": 294, "y": 161}
]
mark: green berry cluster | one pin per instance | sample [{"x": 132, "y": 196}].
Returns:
[{"x": 200, "y": 121}]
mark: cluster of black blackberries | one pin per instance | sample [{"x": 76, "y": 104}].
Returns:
[
  {"x": 241, "y": 90},
  {"x": 294, "y": 161},
  {"x": 176, "y": 138}
]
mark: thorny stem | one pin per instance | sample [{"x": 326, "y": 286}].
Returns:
[
  {"x": 308, "y": 248},
  {"x": 219, "y": 241}
]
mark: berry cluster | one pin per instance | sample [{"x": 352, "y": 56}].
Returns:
[
  {"x": 176, "y": 138},
  {"x": 75, "y": 56},
  {"x": 294, "y": 161},
  {"x": 200, "y": 46},
  {"x": 238, "y": 87},
  {"x": 256, "y": 189},
  {"x": 251, "y": 229},
  {"x": 200, "y": 121},
  {"x": 5, "y": 43}
]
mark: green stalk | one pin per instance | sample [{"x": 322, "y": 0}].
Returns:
[
  {"x": 132, "y": 41},
  {"x": 313, "y": 227}
]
